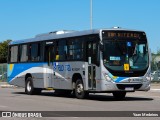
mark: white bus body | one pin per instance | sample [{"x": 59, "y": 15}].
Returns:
[{"x": 82, "y": 62}]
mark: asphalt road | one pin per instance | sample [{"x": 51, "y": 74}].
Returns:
[{"x": 14, "y": 99}]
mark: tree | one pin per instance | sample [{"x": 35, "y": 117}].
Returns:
[
  {"x": 155, "y": 64},
  {"x": 4, "y": 51},
  {"x": 158, "y": 51}
]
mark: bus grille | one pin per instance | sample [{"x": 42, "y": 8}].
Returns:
[{"x": 123, "y": 86}]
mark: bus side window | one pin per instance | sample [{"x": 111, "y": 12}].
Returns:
[
  {"x": 14, "y": 54},
  {"x": 36, "y": 52},
  {"x": 75, "y": 49},
  {"x": 61, "y": 50},
  {"x": 57, "y": 55},
  {"x": 94, "y": 52},
  {"x": 70, "y": 50},
  {"x": 23, "y": 53}
]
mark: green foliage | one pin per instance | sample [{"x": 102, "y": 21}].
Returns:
[
  {"x": 155, "y": 65},
  {"x": 158, "y": 51},
  {"x": 4, "y": 51}
]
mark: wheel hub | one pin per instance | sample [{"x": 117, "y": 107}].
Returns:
[
  {"x": 29, "y": 86},
  {"x": 79, "y": 88}
]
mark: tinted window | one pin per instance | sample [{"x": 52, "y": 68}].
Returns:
[
  {"x": 75, "y": 49},
  {"x": 61, "y": 50},
  {"x": 23, "y": 53},
  {"x": 14, "y": 54},
  {"x": 36, "y": 52}
]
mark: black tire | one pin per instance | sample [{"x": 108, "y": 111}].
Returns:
[
  {"x": 119, "y": 95},
  {"x": 29, "y": 88},
  {"x": 79, "y": 90}
]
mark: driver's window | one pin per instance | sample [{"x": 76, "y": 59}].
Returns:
[{"x": 142, "y": 49}]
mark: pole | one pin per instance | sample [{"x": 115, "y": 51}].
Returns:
[{"x": 91, "y": 12}]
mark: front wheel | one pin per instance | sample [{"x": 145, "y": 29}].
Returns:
[
  {"x": 119, "y": 95},
  {"x": 79, "y": 90}
]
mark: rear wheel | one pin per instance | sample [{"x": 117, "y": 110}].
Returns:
[
  {"x": 29, "y": 88},
  {"x": 119, "y": 95},
  {"x": 79, "y": 90}
]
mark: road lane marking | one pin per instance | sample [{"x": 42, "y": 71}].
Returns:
[
  {"x": 155, "y": 90},
  {"x": 156, "y": 96},
  {"x": 3, "y": 106}
]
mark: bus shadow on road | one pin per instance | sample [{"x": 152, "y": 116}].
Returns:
[
  {"x": 111, "y": 98},
  {"x": 94, "y": 97},
  {"x": 97, "y": 97}
]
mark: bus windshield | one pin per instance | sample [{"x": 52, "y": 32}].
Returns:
[{"x": 122, "y": 56}]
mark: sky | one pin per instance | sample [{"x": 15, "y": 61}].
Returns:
[{"x": 22, "y": 19}]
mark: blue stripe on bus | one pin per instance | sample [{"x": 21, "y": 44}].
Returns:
[
  {"x": 119, "y": 79},
  {"x": 15, "y": 69}
]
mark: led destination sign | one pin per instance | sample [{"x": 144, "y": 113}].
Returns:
[{"x": 122, "y": 34}]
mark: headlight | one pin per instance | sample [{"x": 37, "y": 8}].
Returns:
[
  {"x": 147, "y": 77},
  {"x": 106, "y": 76}
]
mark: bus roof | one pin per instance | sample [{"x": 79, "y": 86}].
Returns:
[{"x": 63, "y": 34}]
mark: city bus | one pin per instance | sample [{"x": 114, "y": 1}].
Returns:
[{"x": 111, "y": 60}]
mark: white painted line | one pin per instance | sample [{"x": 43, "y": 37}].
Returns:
[
  {"x": 156, "y": 89},
  {"x": 3, "y": 106},
  {"x": 156, "y": 97}
]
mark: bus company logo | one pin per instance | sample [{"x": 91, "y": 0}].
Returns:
[
  {"x": 54, "y": 65},
  {"x": 129, "y": 80},
  {"x": 59, "y": 67},
  {"x": 10, "y": 69}
]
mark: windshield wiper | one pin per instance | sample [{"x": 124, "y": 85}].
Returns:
[{"x": 135, "y": 49}]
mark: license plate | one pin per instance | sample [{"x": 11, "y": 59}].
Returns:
[{"x": 129, "y": 88}]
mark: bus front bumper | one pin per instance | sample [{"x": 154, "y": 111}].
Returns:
[{"x": 128, "y": 87}]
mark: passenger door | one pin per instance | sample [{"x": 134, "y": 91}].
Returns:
[
  {"x": 92, "y": 58},
  {"x": 49, "y": 56}
]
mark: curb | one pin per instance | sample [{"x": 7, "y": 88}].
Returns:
[
  {"x": 155, "y": 89},
  {"x": 7, "y": 86}
]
